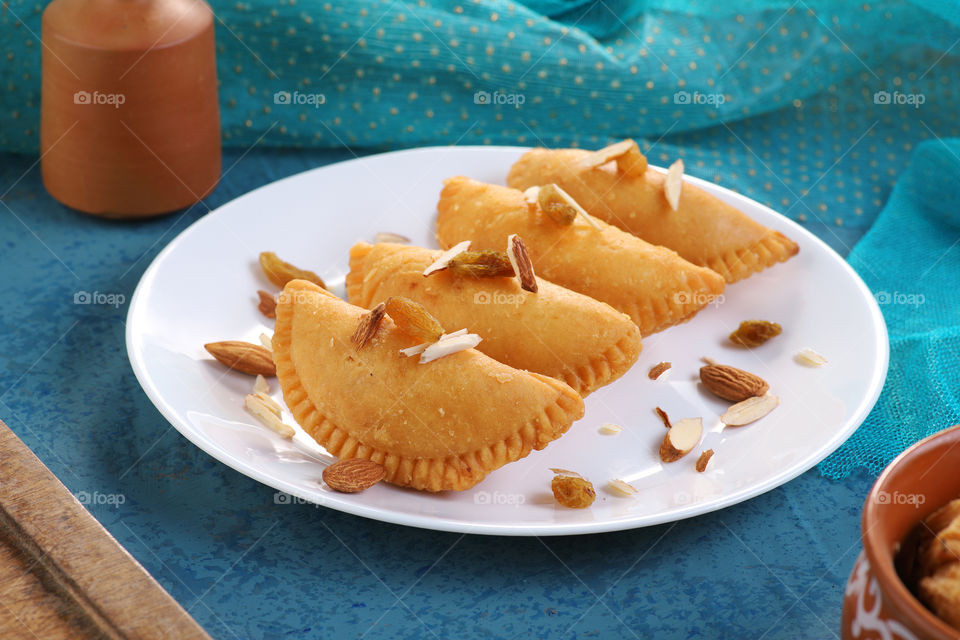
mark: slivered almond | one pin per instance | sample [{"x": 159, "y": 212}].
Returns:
[
  {"x": 268, "y": 304},
  {"x": 681, "y": 439},
  {"x": 270, "y": 403},
  {"x": 520, "y": 260},
  {"x": 704, "y": 460},
  {"x": 750, "y": 410},
  {"x": 368, "y": 325},
  {"x": 443, "y": 261},
  {"x": 260, "y": 410},
  {"x": 261, "y": 385},
  {"x": 449, "y": 345},
  {"x": 386, "y": 236},
  {"x": 674, "y": 184},
  {"x": 610, "y": 429},
  {"x": 353, "y": 475},
  {"x": 244, "y": 357}
]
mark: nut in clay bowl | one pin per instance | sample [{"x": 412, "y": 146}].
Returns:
[{"x": 877, "y": 604}]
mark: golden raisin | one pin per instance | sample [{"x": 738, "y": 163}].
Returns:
[
  {"x": 280, "y": 273},
  {"x": 482, "y": 264},
  {"x": 572, "y": 491},
  {"x": 555, "y": 206},
  {"x": 753, "y": 333},
  {"x": 413, "y": 319}
]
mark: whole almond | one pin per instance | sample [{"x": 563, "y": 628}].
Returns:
[
  {"x": 353, "y": 475},
  {"x": 244, "y": 357},
  {"x": 731, "y": 383}
]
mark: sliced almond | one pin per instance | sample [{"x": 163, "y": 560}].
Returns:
[
  {"x": 368, "y": 326},
  {"x": 520, "y": 260},
  {"x": 810, "y": 358},
  {"x": 353, "y": 475},
  {"x": 601, "y": 157},
  {"x": 658, "y": 370},
  {"x": 681, "y": 439},
  {"x": 262, "y": 412},
  {"x": 531, "y": 195},
  {"x": 621, "y": 488},
  {"x": 268, "y": 304},
  {"x": 704, "y": 460},
  {"x": 674, "y": 184},
  {"x": 386, "y": 236},
  {"x": 627, "y": 154},
  {"x": 610, "y": 429},
  {"x": 280, "y": 272},
  {"x": 443, "y": 261},
  {"x": 267, "y": 342},
  {"x": 565, "y": 472},
  {"x": 244, "y": 357},
  {"x": 449, "y": 345},
  {"x": 750, "y": 410}
]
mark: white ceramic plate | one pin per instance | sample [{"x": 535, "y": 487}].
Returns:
[{"x": 201, "y": 288}]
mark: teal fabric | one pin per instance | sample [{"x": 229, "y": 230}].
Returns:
[
  {"x": 394, "y": 74},
  {"x": 812, "y": 107},
  {"x": 910, "y": 259}
]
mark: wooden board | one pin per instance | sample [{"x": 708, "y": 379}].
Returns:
[{"x": 62, "y": 575}]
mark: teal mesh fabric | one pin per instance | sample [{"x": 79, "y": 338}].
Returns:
[
  {"x": 910, "y": 259},
  {"x": 812, "y": 107},
  {"x": 396, "y": 74}
]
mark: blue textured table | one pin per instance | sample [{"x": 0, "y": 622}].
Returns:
[{"x": 245, "y": 567}]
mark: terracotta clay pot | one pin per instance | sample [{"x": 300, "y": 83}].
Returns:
[
  {"x": 877, "y": 604},
  {"x": 130, "y": 124}
]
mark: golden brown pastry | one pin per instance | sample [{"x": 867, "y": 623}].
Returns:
[
  {"x": 436, "y": 426},
  {"x": 555, "y": 331},
  {"x": 704, "y": 229},
  {"x": 653, "y": 285}
]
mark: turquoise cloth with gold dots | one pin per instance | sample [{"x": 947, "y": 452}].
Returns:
[{"x": 813, "y": 108}]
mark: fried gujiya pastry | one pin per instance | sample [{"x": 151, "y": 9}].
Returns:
[
  {"x": 616, "y": 185},
  {"x": 441, "y": 425},
  {"x": 553, "y": 331},
  {"x": 653, "y": 285}
]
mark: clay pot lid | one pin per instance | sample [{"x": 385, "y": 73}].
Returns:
[{"x": 927, "y": 469}]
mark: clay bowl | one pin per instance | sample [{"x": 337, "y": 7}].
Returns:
[{"x": 877, "y": 604}]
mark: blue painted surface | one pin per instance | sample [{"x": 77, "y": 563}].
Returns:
[{"x": 248, "y": 568}]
